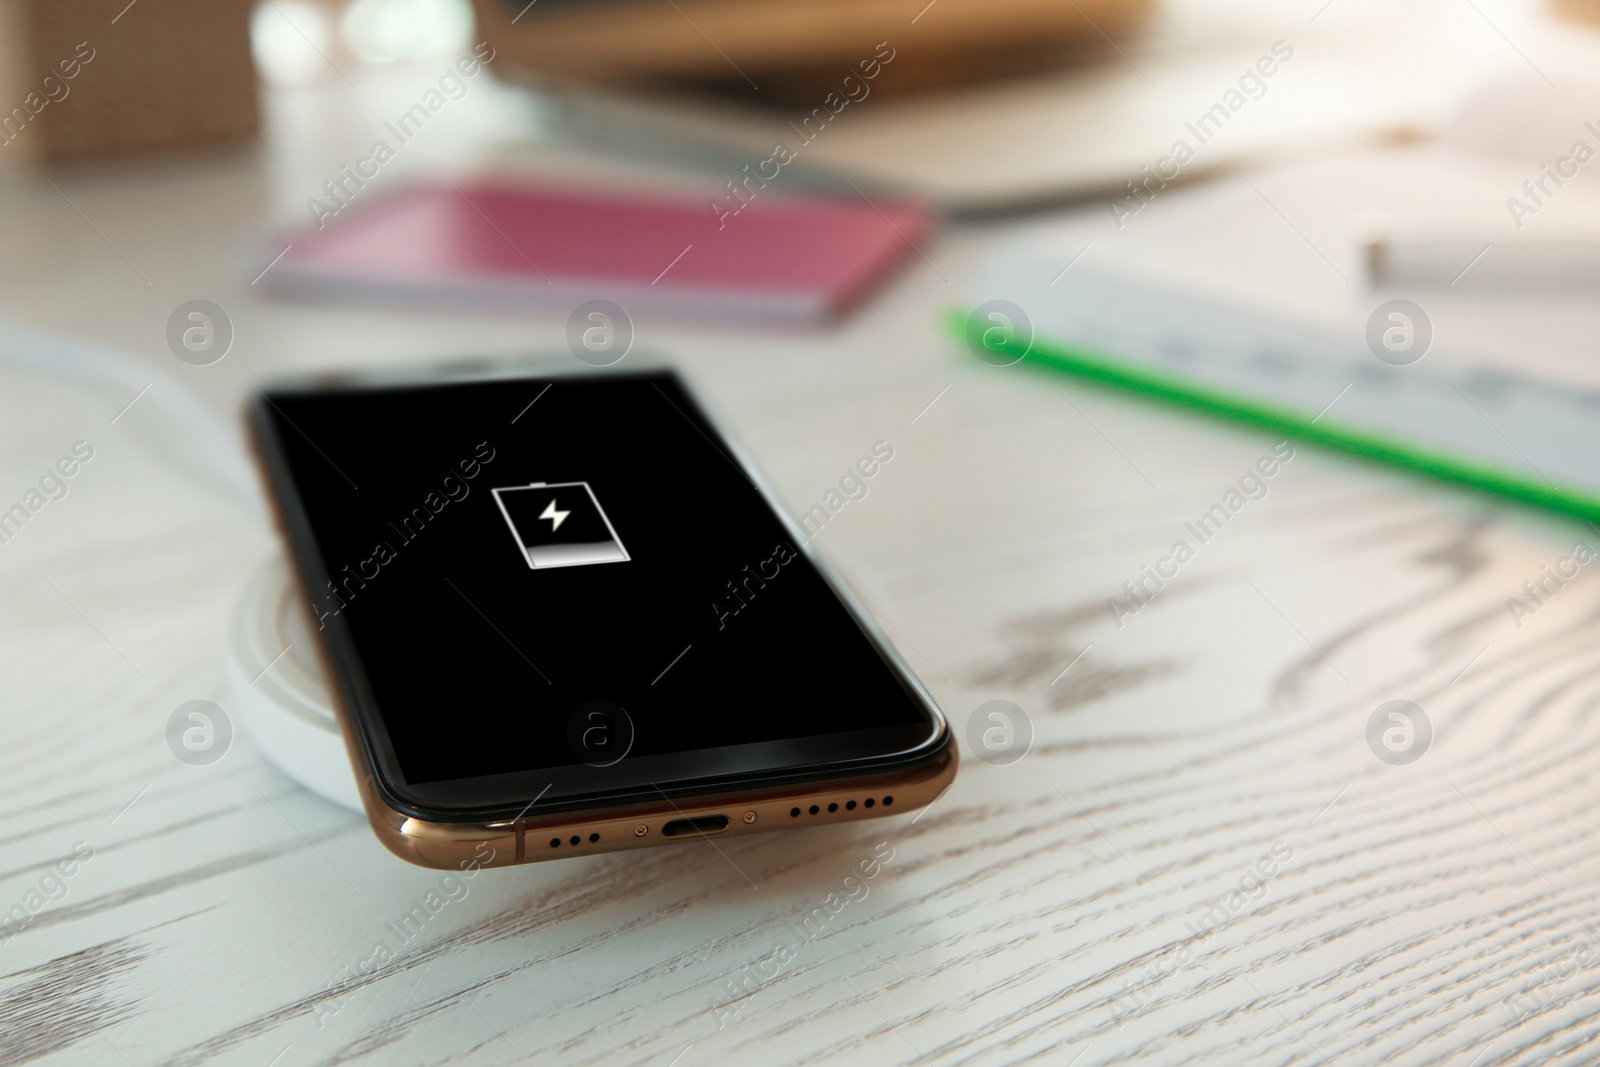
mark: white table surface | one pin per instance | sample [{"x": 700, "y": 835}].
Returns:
[{"x": 1436, "y": 913}]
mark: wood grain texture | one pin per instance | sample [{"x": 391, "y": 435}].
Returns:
[{"x": 1050, "y": 911}]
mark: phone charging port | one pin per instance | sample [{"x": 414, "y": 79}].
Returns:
[{"x": 704, "y": 824}]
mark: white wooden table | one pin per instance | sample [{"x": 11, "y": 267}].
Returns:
[{"x": 1050, "y": 911}]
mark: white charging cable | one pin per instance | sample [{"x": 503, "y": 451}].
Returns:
[{"x": 214, "y": 444}]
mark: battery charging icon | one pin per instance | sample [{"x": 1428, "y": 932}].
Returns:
[{"x": 559, "y": 524}]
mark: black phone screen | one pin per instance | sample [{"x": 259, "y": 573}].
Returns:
[{"x": 564, "y": 586}]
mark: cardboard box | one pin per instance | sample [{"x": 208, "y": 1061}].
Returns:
[{"x": 92, "y": 77}]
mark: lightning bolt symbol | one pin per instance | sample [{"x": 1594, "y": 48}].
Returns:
[{"x": 556, "y": 517}]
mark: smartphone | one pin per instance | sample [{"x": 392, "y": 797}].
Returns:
[{"x": 563, "y": 616}]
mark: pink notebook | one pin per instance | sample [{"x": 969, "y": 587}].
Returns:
[{"x": 497, "y": 244}]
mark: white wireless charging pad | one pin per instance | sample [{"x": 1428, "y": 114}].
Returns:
[{"x": 279, "y": 692}]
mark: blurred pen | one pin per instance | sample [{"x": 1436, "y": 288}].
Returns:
[{"x": 1397, "y": 257}]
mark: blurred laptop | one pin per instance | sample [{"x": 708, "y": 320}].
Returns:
[{"x": 977, "y": 105}]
